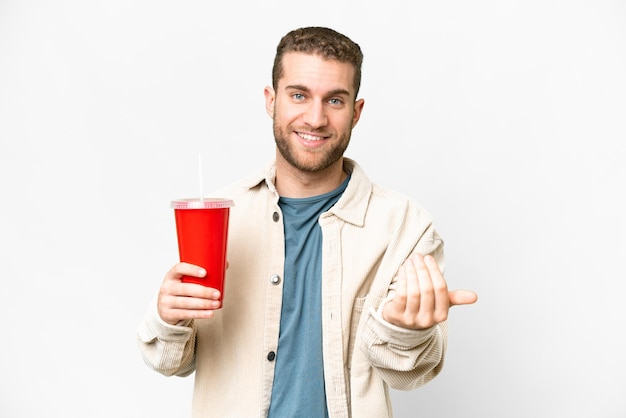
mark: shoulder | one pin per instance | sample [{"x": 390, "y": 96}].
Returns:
[
  {"x": 387, "y": 199},
  {"x": 397, "y": 204},
  {"x": 383, "y": 205},
  {"x": 246, "y": 184}
]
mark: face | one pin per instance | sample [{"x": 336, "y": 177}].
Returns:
[{"x": 314, "y": 111}]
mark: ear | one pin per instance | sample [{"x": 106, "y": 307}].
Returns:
[
  {"x": 358, "y": 108},
  {"x": 270, "y": 98}
]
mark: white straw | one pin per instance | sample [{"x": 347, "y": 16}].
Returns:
[{"x": 200, "y": 177}]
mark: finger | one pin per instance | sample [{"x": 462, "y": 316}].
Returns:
[
  {"x": 462, "y": 297},
  {"x": 172, "y": 284},
  {"x": 174, "y": 316},
  {"x": 185, "y": 269},
  {"x": 174, "y": 307},
  {"x": 413, "y": 302},
  {"x": 426, "y": 292},
  {"x": 440, "y": 290},
  {"x": 193, "y": 303},
  {"x": 399, "y": 301},
  {"x": 394, "y": 309},
  {"x": 195, "y": 290}
]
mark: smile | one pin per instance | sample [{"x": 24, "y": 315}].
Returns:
[{"x": 310, "y": 137}]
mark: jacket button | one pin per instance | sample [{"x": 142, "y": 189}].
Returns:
[
  {"x": 275, "y": 279},
  {"x": 271, "y": 356},
  {"x": 275, "y": 216}
]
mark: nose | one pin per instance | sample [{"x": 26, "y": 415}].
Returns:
[{"x": 315, "y": 115}]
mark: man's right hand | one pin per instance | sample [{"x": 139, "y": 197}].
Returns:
[{"x": 179, "y": 301}]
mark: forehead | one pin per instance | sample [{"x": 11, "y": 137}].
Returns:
[{"x": 316, "y": 72}]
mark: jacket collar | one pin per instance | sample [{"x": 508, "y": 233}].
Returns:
[{"x": 351, "y": 207}]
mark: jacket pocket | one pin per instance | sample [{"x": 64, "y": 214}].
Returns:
[{"x": 358, "y": 361}]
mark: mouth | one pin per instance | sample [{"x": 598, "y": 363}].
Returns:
[{"x": 311, "y": 137}]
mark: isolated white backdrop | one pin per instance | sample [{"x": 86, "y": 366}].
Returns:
[{"x": 505, "y": 119}]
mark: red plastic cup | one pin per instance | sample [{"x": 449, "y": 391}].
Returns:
[{"x": 202, "y": 232}]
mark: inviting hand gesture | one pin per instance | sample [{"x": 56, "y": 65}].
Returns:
[{"x": 422, "y": 298}]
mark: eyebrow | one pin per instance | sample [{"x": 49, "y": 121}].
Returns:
[{"x": 335, "y": 92}]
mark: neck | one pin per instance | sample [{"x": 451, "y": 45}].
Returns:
[{"x": 291, "y": 182}]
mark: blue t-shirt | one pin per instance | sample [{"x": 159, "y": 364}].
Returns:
[{"x": 298, "y": 389}]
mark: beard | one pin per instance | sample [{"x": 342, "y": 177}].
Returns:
[{"x": 309, "y": 160}]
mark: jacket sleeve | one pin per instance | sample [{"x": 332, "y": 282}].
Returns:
[
  {"x": 405, "y": 359},
  {"x": 167, "y": 349}
]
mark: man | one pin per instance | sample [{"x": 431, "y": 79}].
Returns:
[{"x": 334, "y": 290}]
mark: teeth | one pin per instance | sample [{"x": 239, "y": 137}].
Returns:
[{"x": 310, "y": 137}]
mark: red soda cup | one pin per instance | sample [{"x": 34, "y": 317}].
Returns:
[{"x": 202, "y": 232}]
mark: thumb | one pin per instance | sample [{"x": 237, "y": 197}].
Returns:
[{"x": 462, "y": 297}]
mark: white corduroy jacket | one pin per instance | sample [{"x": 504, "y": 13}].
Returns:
[{"x": 367, "y": 235}]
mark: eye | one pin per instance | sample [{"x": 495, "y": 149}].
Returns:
[
  {"x": 298, "y": 96},
  {"x": 335, "y": 102}
]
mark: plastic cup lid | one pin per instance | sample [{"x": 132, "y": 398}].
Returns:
[{"x": 206, "y": 203}]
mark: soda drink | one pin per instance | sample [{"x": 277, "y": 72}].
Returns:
[{"x": 202, "y": 233}]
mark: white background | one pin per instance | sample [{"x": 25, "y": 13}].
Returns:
[{"x": 505, "y": 119}]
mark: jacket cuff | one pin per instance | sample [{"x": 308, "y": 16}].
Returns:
[{"x": 404, "y": 338}]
